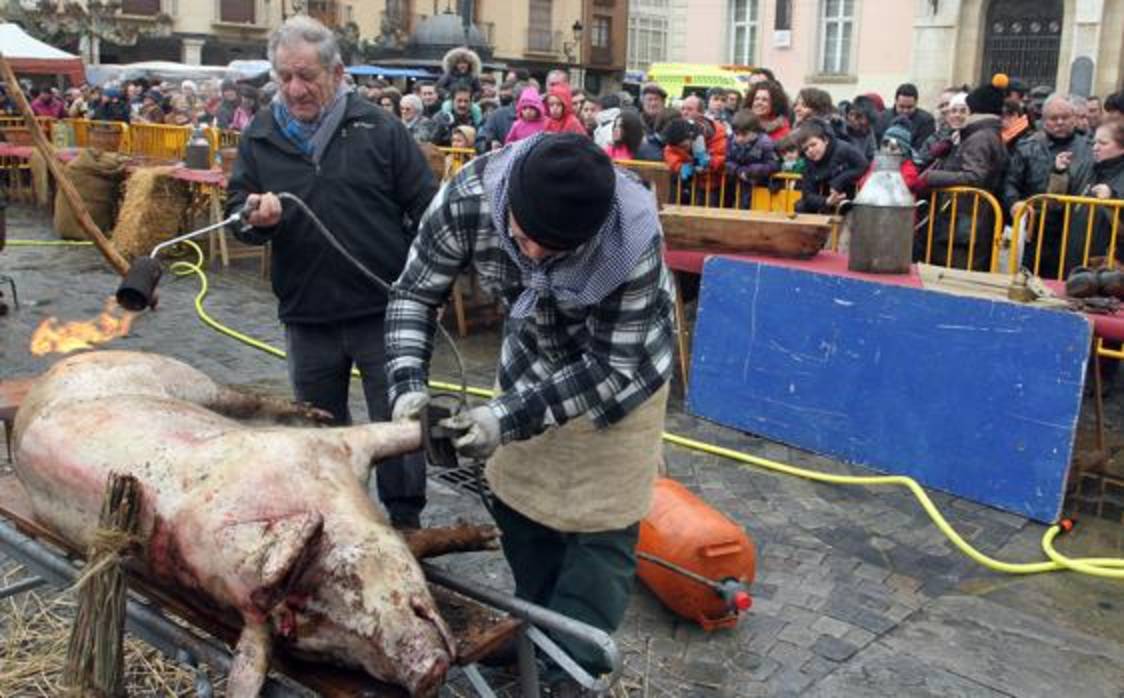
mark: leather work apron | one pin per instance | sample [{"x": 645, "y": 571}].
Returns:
[{"x": 581, "y": 479}]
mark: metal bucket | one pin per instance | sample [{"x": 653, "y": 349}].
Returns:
[{"x": 881, "y": 239}]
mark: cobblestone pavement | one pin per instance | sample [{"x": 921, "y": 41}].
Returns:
[{"x": 856, "y": 593}]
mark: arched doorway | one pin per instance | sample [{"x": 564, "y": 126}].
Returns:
[{"x": 1022, "y": 39}]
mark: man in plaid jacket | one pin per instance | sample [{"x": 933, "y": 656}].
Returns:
[{"x": 573, "y": 248}]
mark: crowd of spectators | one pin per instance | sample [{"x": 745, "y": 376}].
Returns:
[{"x": 1003, "y": 137}]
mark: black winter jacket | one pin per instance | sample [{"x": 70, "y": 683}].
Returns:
[
  {"x": 979, "y": 161},
  {"x": 370, "y": 190},
  {"x": 839, "y": 169},
  {"x": 1028, "y": 172}
]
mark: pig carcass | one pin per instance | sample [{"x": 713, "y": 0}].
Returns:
[{"x": 272, "y": 521}]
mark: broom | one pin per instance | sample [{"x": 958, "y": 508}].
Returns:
[{"x": 94, "y": 656}]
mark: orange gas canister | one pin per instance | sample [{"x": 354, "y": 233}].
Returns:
[{"x": 694, "y": 558}]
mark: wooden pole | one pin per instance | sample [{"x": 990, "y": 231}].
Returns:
[{"x": 115, "y": 259}]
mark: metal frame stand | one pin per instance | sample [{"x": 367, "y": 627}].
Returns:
[
  {"x": 147, "y": 622},
  {"x": 5, "y": 279}
]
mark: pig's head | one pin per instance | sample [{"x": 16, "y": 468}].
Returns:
[{"x": 365, "y": 603}]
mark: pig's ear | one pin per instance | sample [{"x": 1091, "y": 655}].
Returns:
[{"x": 286, "y": 545}]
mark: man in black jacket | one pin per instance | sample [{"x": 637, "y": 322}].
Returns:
[
  {"x": 1028, "y": 172},
  {"x": 358, "y": 169},
  {"x": 921, "y": 123}
]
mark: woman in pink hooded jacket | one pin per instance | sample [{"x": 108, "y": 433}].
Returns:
[{"x": 531, "y": 119}]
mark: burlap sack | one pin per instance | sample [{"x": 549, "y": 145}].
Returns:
[
  {"x": 96, "y": 175},
  {"x": 40, "y": 179}
]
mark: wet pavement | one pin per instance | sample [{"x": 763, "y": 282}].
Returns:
[{"x": 857, "y": 594}]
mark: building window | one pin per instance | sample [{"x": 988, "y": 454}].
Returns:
[
  {"x": 238, "y": 11},
  {"x": 743, "y": 31},
  {"x": 601, "y": 32},
  {"x": 143, "y": 8},
  {"x": 647, "y": 40},
  {"x": 539, "y": 27},
  {"x": 838, "y": 27},
  {"x": 782, "y": 18}
]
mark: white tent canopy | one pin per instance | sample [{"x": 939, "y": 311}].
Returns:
[{"x": 28, "y": 55}]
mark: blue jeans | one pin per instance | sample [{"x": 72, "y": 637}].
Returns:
[{"x": 320, "y": 361}]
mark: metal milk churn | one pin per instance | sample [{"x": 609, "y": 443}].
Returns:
[
  {"x": 882, "y": 221},
  {"x": 198, "y": 155}
]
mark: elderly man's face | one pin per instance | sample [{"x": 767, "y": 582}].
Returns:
[
  {"x": 690, "y": 109},
  {"x": 408, "y": 111},
  {"x": 652, "y": 103},
  {"x": 1058, "y": 118},
  {"x": 306, "y": 86}
]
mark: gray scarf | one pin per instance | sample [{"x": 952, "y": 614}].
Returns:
[{"x": 591, "y": 272}]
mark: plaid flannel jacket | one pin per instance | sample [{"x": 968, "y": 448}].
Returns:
[{"x": 556, "y": 364}]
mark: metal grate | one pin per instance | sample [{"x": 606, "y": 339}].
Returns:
[
  {"x": 465, "y": 479},
  {"x": 1023, "y": 39}
]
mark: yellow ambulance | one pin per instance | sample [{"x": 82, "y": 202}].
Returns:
[{"x": 682, "y": 79}]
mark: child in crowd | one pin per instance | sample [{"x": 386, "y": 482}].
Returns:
[
  {"x": 833, "y": 169},
  {"x": 788, "y": 149},
  {"x": 679, "y": 136},
  {"x": 896, "y": 141},
  {"x": 530, "y": 120},
  {"x": 751, "y": 158},
  {"x": 628, "y": 134},
  {"x": 560, "y": 111},
  {"x": 463, "y": 137}
]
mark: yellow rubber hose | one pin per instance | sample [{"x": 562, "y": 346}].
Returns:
[{"x": 1111, "y": 568}]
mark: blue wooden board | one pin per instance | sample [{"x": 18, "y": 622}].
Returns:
[{"x": 974, "y": 397}]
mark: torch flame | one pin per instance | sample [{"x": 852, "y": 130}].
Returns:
[{"x": 51, "y": 336}]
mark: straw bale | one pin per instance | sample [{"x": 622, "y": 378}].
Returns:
[
  {"x": 97, "y": 176},
  {"x": 152, "y": 212}
]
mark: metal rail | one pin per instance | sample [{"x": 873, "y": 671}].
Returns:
[{"x": 179, "y": 644}]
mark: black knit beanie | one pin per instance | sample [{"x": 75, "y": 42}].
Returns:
[
  {"x": 561, "y": 190},
  {"x": 988, "y": 98}
]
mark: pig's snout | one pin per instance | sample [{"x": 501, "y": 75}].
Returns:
[
  {"x": 433, "y": 655},
  {"x": 429, "y": 676}
]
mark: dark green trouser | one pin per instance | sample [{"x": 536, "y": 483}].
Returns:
[{"x": 586, "y": 576}]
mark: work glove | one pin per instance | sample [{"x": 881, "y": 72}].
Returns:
[
  {"x": 481, "y": 429},
  {"x": 409, "y": 406},
  {"x": 686, "y": 172}
]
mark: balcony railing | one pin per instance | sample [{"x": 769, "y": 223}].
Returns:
[
  {"x": 544, "y": 42},
  {"x": 601, "y": 55}
]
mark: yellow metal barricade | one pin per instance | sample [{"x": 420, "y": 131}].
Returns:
[
  {"x": 160, "y": 141},
  {"x": 780, "y": 197},
  {"x": 455, "y": 159},
  {"x": 104, "y": 135},
  {"x": 220, "y": 138},
  {"x": 1101, "y": 218},
  {"x": 950, "y": 203},
  {"x": 1031, "y": 233}
]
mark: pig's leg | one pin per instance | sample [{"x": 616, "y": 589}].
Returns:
[
  {"x": 378, "y": 441},
  {"x": 462, "y": 538},
  {"x": 238, "y": 404},
  {"x": 251, "y": 662}
]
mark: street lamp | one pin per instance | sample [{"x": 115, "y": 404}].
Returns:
[{"x": 572, "y": 49}]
